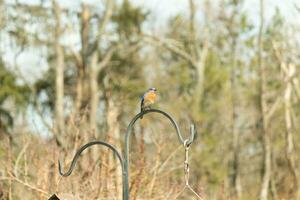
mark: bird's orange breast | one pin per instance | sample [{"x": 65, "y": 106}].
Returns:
[{"x": 151, "y": 96}]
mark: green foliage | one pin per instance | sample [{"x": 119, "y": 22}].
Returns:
[
  {"x": 17, "y": 95},
  {"x": 129, "y": 20},
  {"x": 46, "y": 86},
  {"x": 124, "y": 77}
]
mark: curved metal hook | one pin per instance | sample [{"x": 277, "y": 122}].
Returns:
[
  {"x": 193, "y": 133},
  {"x": 129, "y": 130},
  {"x": 179, "y": 135},
  {"x": 81, "y": 149},
  {"x": 76, "y": 157}
]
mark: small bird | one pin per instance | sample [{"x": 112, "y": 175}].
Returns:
[{"x": 148, "y": 99}]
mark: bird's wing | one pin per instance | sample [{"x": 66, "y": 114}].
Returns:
[
  {"x": 143, "y": 96},
  {"x": 142, "y": 102}
]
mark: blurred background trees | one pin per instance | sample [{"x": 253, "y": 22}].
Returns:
[{"x": 73, "y": 72}]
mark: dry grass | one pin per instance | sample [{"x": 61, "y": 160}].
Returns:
[{"x": 29, "y": 169}]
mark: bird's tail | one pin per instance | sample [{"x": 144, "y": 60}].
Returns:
[
  {"x": 142, "y": 117},
  {"x": 142, "y": 111}
]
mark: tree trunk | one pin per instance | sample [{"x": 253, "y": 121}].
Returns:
[
  {"x": 97, "y": 67},
  {"x": 266, "y": 163},
  {"x": 200, "y": 78},
  {"x": 265, "y": 135},
  {"x": 289, "y": 141},
  {"x": 199, "y": 57},
  {"x": 138, "y": 180},
  {"x": 59, "y": 69},
  {"x": 94, "y": 93},
  {"x": 81, "y": 67},
  {"x": 113, "y": 182},
  {"x": 235, "y": 179}
]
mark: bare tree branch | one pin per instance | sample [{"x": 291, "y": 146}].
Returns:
[{"x": 170, "y": 46}]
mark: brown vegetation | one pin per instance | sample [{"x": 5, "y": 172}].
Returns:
[{"x": 235, "y": 78}]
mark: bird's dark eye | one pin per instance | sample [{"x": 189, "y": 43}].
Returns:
[{"x": 152, "y": 89}]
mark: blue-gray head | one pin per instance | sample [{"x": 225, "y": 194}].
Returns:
[{"x": 152, "y": 89}]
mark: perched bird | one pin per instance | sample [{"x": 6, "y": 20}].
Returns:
[{"x": 148, "y": 99}]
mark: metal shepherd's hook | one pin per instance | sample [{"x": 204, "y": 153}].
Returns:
[{"x": 125, "y": 162}]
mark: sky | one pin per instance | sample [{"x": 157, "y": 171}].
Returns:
[{"x": 163, "y": 9}]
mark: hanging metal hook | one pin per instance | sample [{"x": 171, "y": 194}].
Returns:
[
  {"x": 186, "y": 163},
  {"x": 186, "y": 169},
  {"x": 192, "y": 135},
  {"x": 129, "y": 130},
  {"x": 192, "y": 132}
]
